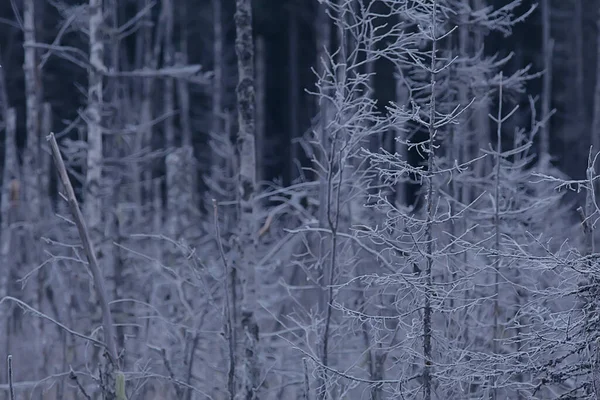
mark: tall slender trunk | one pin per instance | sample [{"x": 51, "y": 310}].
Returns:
[
  {"x": 323, "y": 42},
  {"x": 32, "y": 91},
  {"x": 460, "y": 143},
  {"x": 260, "y": 107},
  {"x": 293, "y": 93},
  {"x": 93, "y": 202},
  {"x": 183, "y": 93},
  {"x": 247, "y": 186},
  {"x": 579, "y": 89},
  {"x": 181, "y": 58},
  {"x": 548, "y": 45},
  {"x": 217, "y": 125},
  {"x": 498, "y": 260},
  {"x": 148, "y": 57},
  {"x": 45, "y": 159},
  {"x": 427, "y": 310},
  {"x": 93, "y": 198},
  {"x": 481, "y": 120},
  {"x": 323, "y": 30},
  {"x": 219, "y": 134},
  {"x": 31, "y": 177},
  {"x": 168, "y": 58},
  {"x": 43, "y": 190},
  {"x": 401, "y": 194},
  {"x": 335, "y": 170},
  {"x": 595, "y": 131},
  {"x": 9, "y": 204}
]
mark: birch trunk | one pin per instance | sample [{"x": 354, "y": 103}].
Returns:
[
  {"x": 32, "y": 91},
  {"x": 93, "y": 202},
  {"x": 247, "y": 187}
]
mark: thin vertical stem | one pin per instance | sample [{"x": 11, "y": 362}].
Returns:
[
  {"x": 427, "y": 311},
  {"x": 548, "y": 45},
  {"x": 497, "y": 226},
  {"x": 229, "y": 296},
  {"x": 306, "y": 380},
  {"x": 248, "y": 236},
  {"x": 10, "y": 377}
]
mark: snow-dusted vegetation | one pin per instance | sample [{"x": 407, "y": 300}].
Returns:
[{"x": 422, "y": 224}]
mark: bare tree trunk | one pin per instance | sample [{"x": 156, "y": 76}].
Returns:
[
  {"x": 182, "y": 86},
  {"x": 9, "y": 204},
  {"x": 217, "y": 126},
  {"x": 427, "y": 310},
  {"x": 158, "y": 219},
  {"x": 293, "y": 93},
  {"x": 184, "y": 104},
  {"x": 32, "y": 91},
  {"x": 579, "y": 89},
  {"x": 31, "y": 177},
  {"x": 401, "y": 197},
  {"x": 481, "y": 121},
  {"x": 335, "y": 165},
  {"x": 93, "y": 202},
  {"x": 596, "y": 124},
  {"x": 323, "y": 29},
  {"x": 148, "y": 57},
  {"x": 548, "y": 45},
  {"x": 247, "y": 185},
  {"x": 180, "y": 183},
  {"x": 168, "y": 58},
  {"x": 460, "y": 143},
  {"x": 498, "y": 259},
  {"x": 45, "y": 158},
  {"x": 595, "y": 132},
  {"x": 43, "y": 190},
  {"x": 260, "y": 107}
]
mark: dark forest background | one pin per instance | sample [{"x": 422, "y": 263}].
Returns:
[{"x": 287, "y": 28}]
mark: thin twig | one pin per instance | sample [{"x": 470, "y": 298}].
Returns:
[
  {"x": 169, "y": 368},
  {"x": 73, "y": 377},
  {"x": 22, "y": 304}
]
